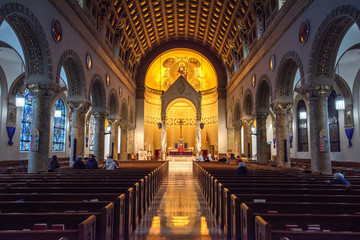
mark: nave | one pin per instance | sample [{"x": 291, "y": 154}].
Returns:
[{"x": 179, "y": 210}]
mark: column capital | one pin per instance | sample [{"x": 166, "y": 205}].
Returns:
[
  {"x": 247, "y": 121},
  {"x": 261, "y": 115},
  {"x": 314, "y": 91},
  {"x": 281, "y": 107},
  {"x": 113, "y": 120},
  {"x": 237, "y": 124},
  {"x": 82, "y": 106},
  {"x": 123, "y": 125},
  {"x": 43, "y": 89},
  {"x": 99, "y": 115}
]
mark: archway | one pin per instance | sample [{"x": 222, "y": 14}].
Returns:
[{"x": 247, "y": 123}]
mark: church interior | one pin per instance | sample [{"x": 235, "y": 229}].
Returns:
[{"x": 225, "y": 119}]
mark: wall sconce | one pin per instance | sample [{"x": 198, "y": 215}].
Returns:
[
  {"x": 302, "y": 115},
  {"x": 340, "y": 103},
  {"x": 253, "y": 130},
  {"x": 20, "y": 100}
]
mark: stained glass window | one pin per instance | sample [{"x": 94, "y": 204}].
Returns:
[
  {"x": 26, "y": 124},
  {"x": 92, "y": 133},
  {"x": 59, "y": 126}
]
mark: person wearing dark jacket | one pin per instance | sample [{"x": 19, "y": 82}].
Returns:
[
  {"x": 78, "y": 164},
  {"x": 338, "y": 179},
  {"x": 242, "y": 170},
  {"x": 91, "y": 163},
  {"x": 53, "y": 164}
]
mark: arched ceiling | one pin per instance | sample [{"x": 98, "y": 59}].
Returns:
[{"x": 134, "y": 27}]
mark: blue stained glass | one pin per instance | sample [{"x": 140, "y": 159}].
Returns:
[
  {"x": 59, "y": 127},
  {"x": 92, "y": 132},
  {"x": 26, "y": 123}
]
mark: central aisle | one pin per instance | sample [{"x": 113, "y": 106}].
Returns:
[{"x": 179, "y": 210}]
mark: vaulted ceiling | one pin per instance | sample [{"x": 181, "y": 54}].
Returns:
[{"x": 132, "y": 28}]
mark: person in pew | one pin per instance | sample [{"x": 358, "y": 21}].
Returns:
[
  {"x": 110, "y": 164},
  {"x": 222, "y": 160},
  {"x": 78, "y": 164},
  {"x": 91, "y": 163},
  {"x": 200, "y": 158},
  {"x": 242, "y": 170},
  {"x": 208, "y": 158},
  {"x": 338, "y": 179},
  {"x": 232, "y": 159},
  {"x": 53, "y": 164}
]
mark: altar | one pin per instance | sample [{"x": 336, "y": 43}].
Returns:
[{"x": 179, "y": 152}]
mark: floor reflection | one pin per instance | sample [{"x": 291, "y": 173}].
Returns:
[{"x": 179, "y": 210}]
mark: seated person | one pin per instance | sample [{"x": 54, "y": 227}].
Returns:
[
  {"x": 78, "y": 164},
  {"x": 222, "y": 160},
  {"x": 91, "y": 163},
  {"x": 232, "y": 159},
  {"x": 53, "y": 164},
  {"x": 238, "y": 159},
  {"x": 200, "y": 158},
  {"x": 110, "y": 164},
  {"x": 209, "y": 157},
  {"x": 242, "y": 170},
  {"x": 338, "y": 179}
]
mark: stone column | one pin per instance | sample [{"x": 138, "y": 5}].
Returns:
[
  {"x": 130, "y": 139},
  {"x": 281, "y": 110},
  {"x": 123, "y": 141},
  {"x": 198, "y": 136},
  {"x": 99, "y": 144},
  {"x": 114, "y": 124},
  {"x": 247, "y": 137},
  {"x": 261, "y": 144},
  {"x": 78, "y": 112},
  {"x": 163, "y": 138},
  {"x": 238, "y": 140},
  {"x": 318, "y": 103},
  {"x": 42, "y": 94}
]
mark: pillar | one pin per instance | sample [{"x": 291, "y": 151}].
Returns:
[
  {"x": 319, "y": 146},
  {"x": 281, "y": 110},
  {"x": 261, "y": 144},
  {"x": 237, "y": 137},
  {"x": 40, "y": 126},
  {"x": 198, "y": 136},
  {"x": 247, "y": 137},
  {"x": 78, "y": 111},
  {"x": 99, "y": 144},
  {"x": 163, "y": 138},
  {"x": 123, "y": 141},
  {"x": 114, "y": 124}
]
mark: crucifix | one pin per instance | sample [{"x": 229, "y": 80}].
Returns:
[{"x": 181, "y": 123}]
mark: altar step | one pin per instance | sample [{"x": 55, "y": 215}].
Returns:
[{"x": 180, "y": 159}]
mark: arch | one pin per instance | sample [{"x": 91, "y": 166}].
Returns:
[
  {"x": 248, "y": 104},
  {"x": 124, "y": 111},
  {"x": 286, "y": 75},
  {"x": 302, "y": 127},
  {"x": 327, "y": 41},
  {"x": 333, "y": 121},
  {"x": 263, "y": 95},
  {"x": 37, "y": 52},
  {"x": 74, "y": 72},
  {"x": 145, "y": 62},
  {"x": 97, "y": 92},
  {"x": 131, "y": 115},
  {"x": 176, "y": 100},
  {"x": 113, "y": 104},
  {"x": 59, "y": 126}
]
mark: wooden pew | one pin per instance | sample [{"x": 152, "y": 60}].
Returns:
[
  {"x": 105, "y": 219},
  {"x": 249, "y": 210},
  {"x": 342, "y": 226},
  {"x": 78, "y": 226}
]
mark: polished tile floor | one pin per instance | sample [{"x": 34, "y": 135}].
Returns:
[{"x": 179, "y": 210}]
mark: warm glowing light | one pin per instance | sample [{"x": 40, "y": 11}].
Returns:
[
  {"x": 180, "y": 221},
  {"x": 204, "y": 230},
  {"x": 165, "y": 69}
]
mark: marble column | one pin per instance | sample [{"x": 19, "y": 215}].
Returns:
[
  {"x": 78, "y": 112},
  {"x": 281, "y": 110},
  {"x": 99, "y": 144},
  {"x": 163, "y": 138},
  {"x": 198, "y": 136},
  {"x": 261, "y": 143},
  {"x": 130, "y": 139},
  {"x": 40, "y": 125},
  {"x": 238, "y": 140},
  {"x": 247, "y": 137},
  {"x": 318, "y": 120},
  {"x": 114, "y": 124},
  {"x": 123, "y": 141}
]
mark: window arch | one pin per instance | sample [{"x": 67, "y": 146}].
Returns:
[
  {"x": 59, "y": 126},
  {"x": 333, "y": 118},
  {"x": 303, "y": 145},
  {"x": 92, "y": 133},
  {"x": 26, "y": 123}
]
